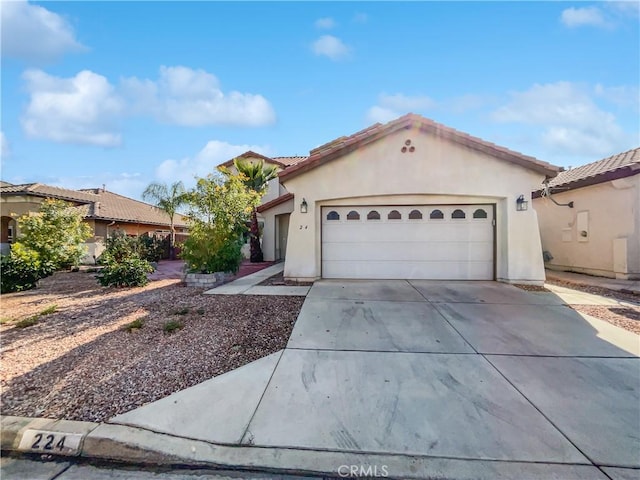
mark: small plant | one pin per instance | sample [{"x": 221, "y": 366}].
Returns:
[
  {"x": 130, "y": 272},
  {"x": 172, "y": 326},
  {"x": 49, "y": 310},
  {"x": 200, "y": 311},
  {"x": 181, "y": 311},
  {"x": 28, "y": 322},
  {"x": 137, "y": 324},
  {"x": 4, "y": 320}
]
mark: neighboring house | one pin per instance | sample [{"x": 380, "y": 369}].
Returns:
[
  {"x": 600, "y": 235},
  {"x": 104, "y": 211},
  {"x": 410, "y": 199}
]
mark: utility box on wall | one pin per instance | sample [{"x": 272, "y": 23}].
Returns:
[{"x": 582, "y": 226}]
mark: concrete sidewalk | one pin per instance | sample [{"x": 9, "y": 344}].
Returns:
[
  {"x": 248, "y": 285},
  {"x": 418, "y": 379}
]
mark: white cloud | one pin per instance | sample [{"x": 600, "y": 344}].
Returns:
[
  {"x": 390, "y": 107},
  {"x": 204, "y": 162},
  {"x": 31, "y": 32},
  {"x": 81, "y": 109},
  {"x": 571, "y": 122},
  {"x": 326, "y": 23},
  {"x": 4, "y": 146},
  {"x": 381, "y": 114},
  {"x": 86, "y": 108},
  {"x": 331, "y": 47},
  {"x": 184, "y": 96},
  {"x": 624, "y": 96},
  {"x": 629, "y": 8},
  {"x": 578, "y": 17}
]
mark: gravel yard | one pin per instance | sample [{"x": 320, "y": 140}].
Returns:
[
  {"x": 79, "y": 363},
  {"x": 626, "y": 315}
]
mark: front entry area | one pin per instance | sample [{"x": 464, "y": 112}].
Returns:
[{"x": 440, "y": 242}]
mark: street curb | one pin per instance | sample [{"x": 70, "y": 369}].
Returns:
[{"x": 130, "y": 445}]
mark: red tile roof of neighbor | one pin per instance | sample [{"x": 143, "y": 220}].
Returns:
[
  {"x": 99, "y": 204},
  {"x": 620, "y": 165},
  {"x": 343, "y": 145}
]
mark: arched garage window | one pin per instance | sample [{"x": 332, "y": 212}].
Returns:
[
  {"x": 479, "y": 213},
  {"x": 353, "y": 215},
  {"x": 394, "y": 215},
  {"x": 415, "y": 215},
  {"x": 333, "y": 215},
  {"x": 373, "y": 215},
  {"x": 436, "y": 215},
  {"x": 457, "y": 213}
]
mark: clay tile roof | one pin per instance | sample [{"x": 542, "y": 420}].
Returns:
[
  {"x": 623, "y": 164},
  {"x": 288, "y": 161},
  {"x": 41, "y": 190},
  {"x": 111, "y": 206},
  {"x": 343, "y": 145},
  {"x": 98, "y": 204}
]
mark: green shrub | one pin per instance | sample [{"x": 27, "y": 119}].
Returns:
[
  {"x": 218, "y": 214},
  {"x": 56, "y": 234},
  {"x": 181, "y": 311},
  {"x": 137, "y": 324},
  {"x": 22, "y": 269},
  {"x": 119, "y": 247},
  {"x": 49, "y": 310},
  {"x": 129, "y": 272},
  {"x": 153, "y": 249},
  {"x": 28, "y": 322},
  {"x": 205, "y": 252},
  {"x": 171, "y": 326}
]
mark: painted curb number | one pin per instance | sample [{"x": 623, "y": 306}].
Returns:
[{"x": 43, "y": 441}]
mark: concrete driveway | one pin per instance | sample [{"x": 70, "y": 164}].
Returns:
[{"x": 477, "y": 372}]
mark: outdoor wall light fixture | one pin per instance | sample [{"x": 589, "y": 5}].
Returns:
[
  {"x": 521, "y": 204},
  {"x": 303, "y": 206}
]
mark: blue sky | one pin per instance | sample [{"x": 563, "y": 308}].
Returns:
[{"x": 125, "y": 93}]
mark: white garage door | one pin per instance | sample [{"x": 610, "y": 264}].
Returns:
[{"x": 452, "y": 242}]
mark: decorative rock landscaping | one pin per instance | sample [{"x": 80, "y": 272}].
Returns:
[{"x": 206, "y": 280}]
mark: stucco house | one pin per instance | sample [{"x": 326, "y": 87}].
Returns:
[
  {"x": 104, "y": 211},
  {"x": 409, "y": 199},
  {"x": 600, "y": 233}
]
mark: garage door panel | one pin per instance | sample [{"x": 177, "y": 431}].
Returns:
[
  {"x": 412, "y": 248},
  {"x": 409, "y": 270},
  {"x": 410, "y": 251},
  {"x": 401, "y": 232}
]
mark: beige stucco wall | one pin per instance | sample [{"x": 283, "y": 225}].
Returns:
[
  {"x": 438, "y": 171},
  {"x": 269, "y": 233},
  {"x": 612, "y": 245}
]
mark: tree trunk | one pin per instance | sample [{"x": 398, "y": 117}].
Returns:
[
  {"x": 172, "y": 242},
  {"x": 254, "y": 239}
]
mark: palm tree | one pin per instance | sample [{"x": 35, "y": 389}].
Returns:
[
  {"x": 168, "y": 199},
  {"x": 257, "y": 176}
]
